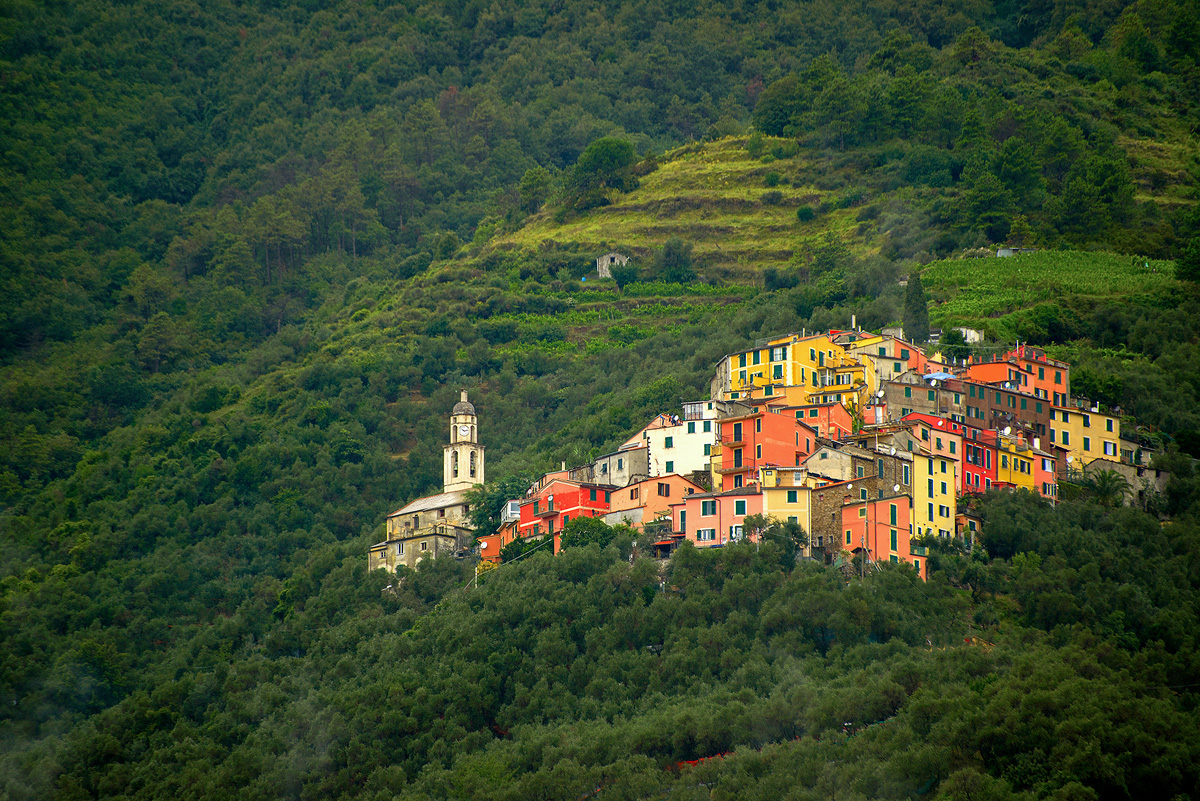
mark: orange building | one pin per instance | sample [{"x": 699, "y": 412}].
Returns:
[
  {"x": 761, "y": 439},
  {"x": 650, "y": 500},
  {"x": 879, "y": 528},
  {"x": 829, "y": 420}
]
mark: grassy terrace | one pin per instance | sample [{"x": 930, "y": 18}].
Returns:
[
  {"x": 988, "y": 292},
  {"x": 711, "y": 195}
]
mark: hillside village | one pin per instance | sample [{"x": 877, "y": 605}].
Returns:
[{"x": 864, "y": 440}]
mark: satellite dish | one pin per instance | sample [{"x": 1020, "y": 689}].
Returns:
[
  {"x": 933, "y": 383},
  {"x": 896, "y": 488},
  {"x": 1070, "y": 459},
  {"x": 550, "y": 498},
  {"x": 941, "y": 422},
  {"x": 849, "y": 486},
  {"x": 483, "y": 546},
  {"x": 1008, "y": 429},
  {"x": 893, "y": 450}
]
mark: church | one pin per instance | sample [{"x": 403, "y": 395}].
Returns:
[{"x": 437, "y": 525}]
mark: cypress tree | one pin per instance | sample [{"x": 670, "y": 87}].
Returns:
[{"x": 916, "y": 311}]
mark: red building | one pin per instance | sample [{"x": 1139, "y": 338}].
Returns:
[
  {"x": 981, "y": 459},
  {"x": 556, "y": 502},
  {"x": 716, "y": 518}
]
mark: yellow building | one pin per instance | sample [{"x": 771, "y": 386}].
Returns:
[
  {"x": 799, "y": 370},
  {"x": 1016, "y": 466},
  {"x": 787, "y": 497},
  {"x": 934, "y": 494},
  {"x": 1086, "y": 434}
]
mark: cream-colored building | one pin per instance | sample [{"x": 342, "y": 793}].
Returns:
[{"x": 439, "y": 524}]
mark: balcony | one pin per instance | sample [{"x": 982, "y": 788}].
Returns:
[
  {"x": 548, "y": 512},
  {"x": 726, "y": 469}
]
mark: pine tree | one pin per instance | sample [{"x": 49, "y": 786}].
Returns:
[{"x": 916, "y": 311}]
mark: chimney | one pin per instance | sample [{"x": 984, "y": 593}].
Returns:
[{"x": 462, "y": 396}]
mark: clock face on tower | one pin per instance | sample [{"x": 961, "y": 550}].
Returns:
[{"x": 464, "y": 431}]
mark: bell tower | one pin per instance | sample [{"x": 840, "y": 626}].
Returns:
[{"x": 462, "y": 466}]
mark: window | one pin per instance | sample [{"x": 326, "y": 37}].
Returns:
[
  {"x": 882, "y": 350},
  {"x": 812, "y": 412},
  {"x": 706, "y": 534},
  {"x": 758, "y": 425},
  {"x": 1110, "y": 449},
  {"x": 633, "y": 494},
  {"x": 952, "y": 448},
  {"x": 708, "y": 426},
  {"x": 943, "y": 463},
  {"x": 591, "y": 495},
  {"x": 741, "y": 360},
  {"x": 737, "y": 457},
  {"x": 1024, "y": 404},
  {"x": 906, "y": 474},
  {"x": 859, "y": 471},
  {"x": 670, "y": 467},
  {"x": 691, "y": 428},
  {"x": 620, "y": 463},
  {"x": 669, "y": 443},
  {"x": 957, "y": 398},
  {"x": 908, "y": 392},
  {"x": 424, "y": 546},
  {"x": 707, "y": 449},
  {"x": 1057, "y": 376},
  {"x": 758, "y": 451},
  {"x": 400, "y": 549},
  {"x": 1087, "y": 421},
  {"x": 862, "y": 512},
  {"x": 739, "y": 508},
  {"x": 971, "y": 390},
  {"x": 737, "y": 432},
  {"x": 792, "y": 496},
  {"x": 931, "y": 488},
  {"x": 939, "y": 443},
  {"x": 566, "y": 519},
  {"x": 737, "y": 481},
  {"x": 931, "y": 395},
  {"x": 1041, "y": 373},
  {"x": 1087, "y": 443},
  {"x": 862, "y": 495},
  {"x": 1066, "y": 438},
  {"x": 895, "y": 367},
  {"x": 608, "y": 497},
  {"x": 604, "y": 468},
  {"x": 847, "y": 536},
  {"x": 943, "y": 487},
  {"x": 904, "y": 354},
  {"x": 892, "y": 514},
  {"x": 664, "y": 490},
  {"x": 893, "y": 540},
  {"x": 708, "y": 508}
]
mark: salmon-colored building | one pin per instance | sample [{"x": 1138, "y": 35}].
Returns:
[
  {"x": 716, "y": 518},
  {"x": 879, "y": 527},
  {"x": 980, "y": 459},
  {"x": 761, "y": 439},
  {"x": 650, "y": 500},
  {"x": 1027, "y": 370},
  {"x": 829, "y": 420},
  {"x": 557, "y": 501}
]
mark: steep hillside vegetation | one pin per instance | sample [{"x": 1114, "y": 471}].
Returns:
[{"x": 252, "y": 251}]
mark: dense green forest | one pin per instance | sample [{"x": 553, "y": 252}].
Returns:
[{"x": 252, "y": 251}]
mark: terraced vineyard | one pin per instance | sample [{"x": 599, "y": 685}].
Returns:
[
  {"x": 984, "y": 293},
  {"x": 714, "y": 195}
]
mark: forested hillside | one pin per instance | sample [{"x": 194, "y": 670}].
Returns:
[{"x": 251, "y": 252}]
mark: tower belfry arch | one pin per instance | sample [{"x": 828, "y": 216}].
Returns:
[{"x": 463, "y": 463}]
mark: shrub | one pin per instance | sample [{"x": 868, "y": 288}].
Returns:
[
  {"x": 805, "y": 214},
  {"x": 772, "y": 198},
  {"x": 772, "y": 179}
]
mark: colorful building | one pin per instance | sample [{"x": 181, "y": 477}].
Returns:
[
  {"x": 830, "y": 420},
  {"x": 716, "y": 518},
  {"x": 648, "y": 501},
  {"x": 761, "y": 439},
  {"x": 558, "y": 500},
  {"x": 879, "y": 529},
  {"x": 1086, "y": 434}
]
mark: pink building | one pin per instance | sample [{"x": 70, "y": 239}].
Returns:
[{"x": 716, "y": 518}]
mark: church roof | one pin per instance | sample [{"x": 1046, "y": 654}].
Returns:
[
  {"x": 463, "y": 406},
  {"x": 431, "y": 502}
]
